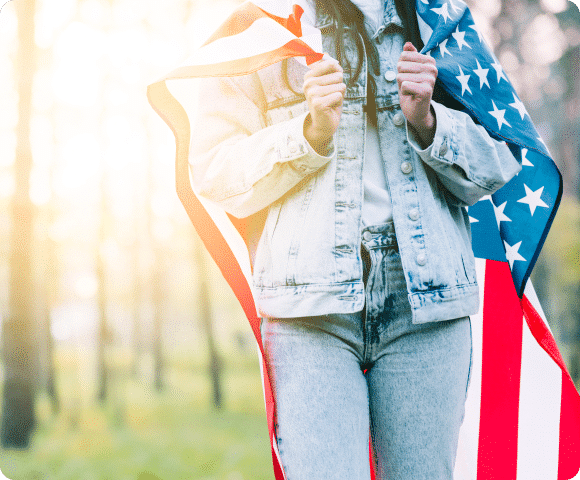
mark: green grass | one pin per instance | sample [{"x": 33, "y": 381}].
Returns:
[{"x": 142, "y": 435}]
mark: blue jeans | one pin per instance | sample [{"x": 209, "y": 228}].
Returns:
[{"x": 338, "y": 378}]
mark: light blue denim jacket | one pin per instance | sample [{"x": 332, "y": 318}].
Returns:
[{"x": 249, "y": 155}]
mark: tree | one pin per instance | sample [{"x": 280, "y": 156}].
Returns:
[{"x": 18, "y": 419}]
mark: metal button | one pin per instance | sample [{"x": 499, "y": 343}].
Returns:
[
  {"x": 406, "y": 167},
  {"x": 421, "y": 259},
  {"x": 414, "y": 214},
  {"x": 390, "y": 75},
  {"x": 399, "y": 119},
  {"x": 367, "y": 236},
  {"x": 443, "y": 150},
  {"x": 293, "y": 147}
]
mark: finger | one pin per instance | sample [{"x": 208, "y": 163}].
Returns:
[
  {"x": 427, "y": 79},
  {"x": 408, "y": 56},
  {"x": 419, "y": 90},
  {"x": 328, "y": 79},
  {"x": 323, "y": 90},
  {"x": 416, "y": 67},
  {"x": 328, "y": 101},
  {"x": 409, "y": 47},
  {"x": 323, "y": 67}
]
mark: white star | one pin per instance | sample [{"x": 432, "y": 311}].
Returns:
[
  {"x": 499, "y": 71},
  {"x": 525, "y": 161},
  {"x": 519, "y": 106},
  {"x": 463, "y": 79},
  {"x": 533, "y": 199},
  {"x": 443, "y": 48},
  {"x": 455, "y": 7},
  {"x": 499, "y": 116},
  {"x": 482, "y": 74},
  {"x": 473, "y": 220},
  {"x": 543, "y": 143},
  {"x": 499, "y": 215},
  {"x": 512, "y": 254},
  {"x": 460, "y": 38},
  {"x": 426, "y": 2},
  {"x": 473, "y": 27},
  {"x": 486, "y": 197},
  {"x": 442, "y": 11}
]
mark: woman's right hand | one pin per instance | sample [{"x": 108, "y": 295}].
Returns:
[{"x": 324, "y": 89}]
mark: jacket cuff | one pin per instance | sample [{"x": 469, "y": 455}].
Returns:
[
  {"x": 441, "y": 148},
  {"x": 295, "y": 149}
]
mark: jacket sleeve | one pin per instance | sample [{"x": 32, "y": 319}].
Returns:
[
  {"x": 467, "y": 160},
  {"x": 239, "y": 161}
]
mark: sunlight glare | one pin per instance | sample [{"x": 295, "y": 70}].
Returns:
[{"x": 77, "y": 76}]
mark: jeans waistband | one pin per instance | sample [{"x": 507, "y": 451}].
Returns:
[{"x": 379, "y": 236}]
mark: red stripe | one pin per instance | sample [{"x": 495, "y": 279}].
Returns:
[
  {"x": 248, "y": 13},
  {"x": 569, "y": 455},
  {"x": 500, "y": 376},
  {"x": 569, "y": 458}
]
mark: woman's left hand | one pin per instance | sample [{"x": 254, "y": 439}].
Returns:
[{"x": 416, "y": 79}]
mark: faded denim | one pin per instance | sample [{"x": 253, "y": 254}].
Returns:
[
  {"x": 249, "y": 155},
  {"x": 411, "y": 398}
]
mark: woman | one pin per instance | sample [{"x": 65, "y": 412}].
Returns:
[{"x": 363, "y": 271}]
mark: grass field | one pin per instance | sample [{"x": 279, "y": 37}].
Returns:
[{"x": 143, "y": 435}]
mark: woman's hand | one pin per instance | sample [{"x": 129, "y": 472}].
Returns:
[
  {"x": 416, "y": 79},
  {"x": 324, "y": 89}
]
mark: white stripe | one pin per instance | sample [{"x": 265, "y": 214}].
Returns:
[
  {"x": 530, "y": 293},
  {"x": 539, "y": 412},
  {"x": 263, "y": 36},
  {"x": 466, "y": 462}
]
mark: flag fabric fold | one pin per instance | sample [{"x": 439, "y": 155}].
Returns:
[{"x": 522, "y": 411}]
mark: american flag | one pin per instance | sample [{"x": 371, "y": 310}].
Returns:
[{"x": 523, "y": 411}]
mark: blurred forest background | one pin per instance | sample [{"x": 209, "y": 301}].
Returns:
[{"x": 124, "y": 354}]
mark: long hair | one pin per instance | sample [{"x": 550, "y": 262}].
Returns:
[{"x": 346, "y": 14}]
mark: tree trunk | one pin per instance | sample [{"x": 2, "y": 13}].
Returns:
[
  {"x": 215, "y": 366},
  {"x": 18, "y": 419}
]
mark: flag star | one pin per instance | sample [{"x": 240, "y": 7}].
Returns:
[
  {"x": 473, "y": 220},
  {"x": 426, "y": 2},
  {"x": 525, "y": 161},
  {"x": 482, "y": 74},
  {"x": 533, "y": 199},
  {"x": 486, "y": 197},
  {"x": 443, "y": 48},
  {"x": 519, "y": 106},
  {"x": 473, "y": 27},
  {"x": 499, "y": 116},
  {"x": 463, "y": 79},
  {"x": 442, "y": 11},
  {"x": 499, "y": 70},
  {"x": 499, "y": 215},
  {"x": 542, "y": 142},
  {"x": 512, "y": 254},
  {"x": 460, "y": 38},
  {"x": 455, "y": 7}
]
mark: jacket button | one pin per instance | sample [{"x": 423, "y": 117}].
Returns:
[
  {"x": 293, "y": 147},
  {"x": 367, "y": 236},
  {"x": 421, "y": 259},
  {"x": 399, "y": 119},
  {"x": 390, "y": 75},
  {"x": 406, "y": 167},
  {"x": 414, "y": 214},
  {"x": 443, "y": 150}
]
